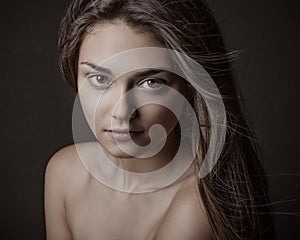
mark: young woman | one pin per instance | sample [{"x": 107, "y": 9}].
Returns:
[{"x": 230, "y": 201}]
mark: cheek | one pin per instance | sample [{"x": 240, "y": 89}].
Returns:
[
  {"x": 153, "y": 114},
  {"x": 103, "y": 112},
  {"x": 88, "y": 104},
  {"x": 94, "y": 107}
]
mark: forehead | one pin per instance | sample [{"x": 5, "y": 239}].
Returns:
[{"x": 106, "y": 40}]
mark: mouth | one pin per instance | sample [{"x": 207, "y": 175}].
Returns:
[{"x": 122, "y": 134}]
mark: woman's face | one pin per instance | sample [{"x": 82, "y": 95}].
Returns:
[{"x": 100, "y": 90}]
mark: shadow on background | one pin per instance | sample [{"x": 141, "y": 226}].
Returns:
[{"x": 36, "y": 105}]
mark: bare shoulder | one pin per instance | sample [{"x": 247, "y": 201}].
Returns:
[
  {"x": 65, "y": 167},
  {"x": 65, "y": 175},
  {"x": 63, "y": 159},
  {"x": 186, "y": 217}
]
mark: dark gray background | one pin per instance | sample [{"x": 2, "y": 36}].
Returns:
[{"x": 36, "y": 105}]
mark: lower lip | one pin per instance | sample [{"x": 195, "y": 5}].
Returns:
[{"x": 121, "y": 136}]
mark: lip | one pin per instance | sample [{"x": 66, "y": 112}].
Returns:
[{"x": 122, "y": 134}]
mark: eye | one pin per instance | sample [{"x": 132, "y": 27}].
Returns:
[
  {"x": 152, "y": 83},
  {"x": 99, "y": 81}
]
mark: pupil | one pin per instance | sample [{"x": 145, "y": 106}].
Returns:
[
  {"x": 100, "y": 79},
  {"x": 152, "y": 82}
]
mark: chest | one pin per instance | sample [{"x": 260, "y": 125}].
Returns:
[{"x": 98, "y": 212}]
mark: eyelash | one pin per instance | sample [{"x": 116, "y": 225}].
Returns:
[
  {"x": 107, "y": 81},
  {"x": 95, "y": 82},
  {"x": 160, "y": 82}
]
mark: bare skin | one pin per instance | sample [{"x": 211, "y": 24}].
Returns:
[{"x": 77, "y": 206}]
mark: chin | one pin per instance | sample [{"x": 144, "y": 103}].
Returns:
[
  {"x": 116, "y": 152},
  {"x": 111, "y": 148}
]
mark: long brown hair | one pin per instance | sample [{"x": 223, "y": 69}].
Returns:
[{"x": 235, "y": 192}]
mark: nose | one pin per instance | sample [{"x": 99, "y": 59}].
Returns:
[{"x": 123, "y": 109}]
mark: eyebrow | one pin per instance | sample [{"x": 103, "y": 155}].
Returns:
[
  {"x": 148, "y": 73},
  {"x": 97, "y": 68},
  {"x": 136, "y": 75}
]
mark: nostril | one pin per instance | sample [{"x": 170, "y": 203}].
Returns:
[
  {"x": 133, "y": 115},
  {"x": 124, "y": 116},
  {"x": 124, "y": 112}
]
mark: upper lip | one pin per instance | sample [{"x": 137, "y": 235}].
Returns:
[{"x": 118, "y": 130}]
